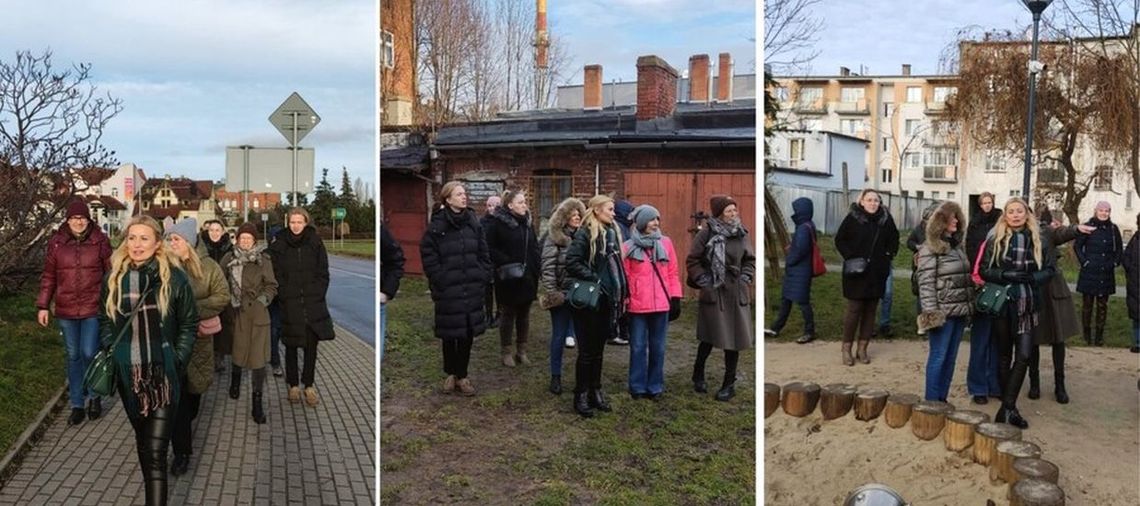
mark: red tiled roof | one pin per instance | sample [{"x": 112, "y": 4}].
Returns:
[{"x": 110, "y": 203}]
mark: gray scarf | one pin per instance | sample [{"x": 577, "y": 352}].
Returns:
[
  {"x": 237, "y": 266},
  {"x": 720, "y": 233},
  {"x": 637, "y": 244}
]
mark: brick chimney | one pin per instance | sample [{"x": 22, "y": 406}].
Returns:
[
  {"x": 724, "y": 79},
  {"x": 656, "y": 88},
  {"x": 844, "y": 72},
  {"x": 906, "y": 69},
  {"x": 592, "y": 94},
  {"x": 699, "y": 78}
]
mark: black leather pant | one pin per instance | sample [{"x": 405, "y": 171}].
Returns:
[
  {"x": 187, "y": 412},
  {"x": 593, "y": 329},
  {"x": 1013, "y": 351},
  {"x": 152, "y": 437}
]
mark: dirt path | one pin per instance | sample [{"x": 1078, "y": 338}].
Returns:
[{"x": 1095, "y": 440}]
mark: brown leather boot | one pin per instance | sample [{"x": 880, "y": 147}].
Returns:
[
  {"x": 465, "y": 387},
  {"x": 847, "y": 358},
  {"x": 520, "y": 353},
  {"x": 861, "y": 352},
  {"x": 508, "y": 356}
]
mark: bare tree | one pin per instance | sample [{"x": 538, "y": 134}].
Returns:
[
  {"x": 51, "y": 129},
  {"x": 443, "y": 43},
  {"x": 482, "y": 95},
  {"x": 790, "y": 33}
]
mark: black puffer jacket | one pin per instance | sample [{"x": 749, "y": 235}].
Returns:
[
  {"x": 980, "y": 225},
  {"x": 871, "y": 236},
  {"x": 301, "y": 266},
  {"x": 1099, "y": 253},
  {"x": 1132, "y": 276},
  {"x": 458, "y": 268},
  {"x": 215, "y": 250},
  {"x": 510, "y": 239},
  {"x": 391, "y": 263}
]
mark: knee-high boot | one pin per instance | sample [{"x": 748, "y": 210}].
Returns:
[
  {"x": 153, "y": 441},
  {"x": 1035, "y": 372},
  {"x": 1059, "y": 373}
]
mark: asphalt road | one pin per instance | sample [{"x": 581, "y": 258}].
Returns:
[{"x": 352, "y": 296}]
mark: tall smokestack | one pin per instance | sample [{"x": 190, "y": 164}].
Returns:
[{"x": 541, "y": 37}]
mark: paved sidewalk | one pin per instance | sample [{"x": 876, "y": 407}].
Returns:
[{"x": 303, "y": 455}]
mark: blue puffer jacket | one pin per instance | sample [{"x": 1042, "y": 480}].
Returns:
[
  {"x": 797, "y": 281},
  {"x": 1099, "y": 253}
]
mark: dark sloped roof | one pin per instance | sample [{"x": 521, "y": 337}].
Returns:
[{"x": 408, "y": 157}]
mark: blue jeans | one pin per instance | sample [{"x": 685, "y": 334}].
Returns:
[
  {"x": 647, "y": 337},
  {"x": 561, "y": 327},
  {"x": 944, "y": 343},
  {"x": 981, "y": 376},
  {"x": 275, "y": 334},
  {"x": 888, "y": 298},
  {"x": 81, "y": 338},
  {"x": 383, "y": 328}
]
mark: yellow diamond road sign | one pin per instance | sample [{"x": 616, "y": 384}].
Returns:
[{"x": 294, "y": 112}]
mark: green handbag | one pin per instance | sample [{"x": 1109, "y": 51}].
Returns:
[
  {"x": 100, "y": 375},
  {"x": 992, "y": 299},
  {"x": 585, "y": 295}
]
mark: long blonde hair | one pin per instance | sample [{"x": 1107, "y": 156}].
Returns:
[
  {"x": 1003, "y": 232},
  {"x": 192, "y": 264},
  {"x": 120, "y": 265},
  {"x": 594, "y": 225}
]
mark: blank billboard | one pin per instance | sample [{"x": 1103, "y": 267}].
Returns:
[{"x": 270, "y": 169}]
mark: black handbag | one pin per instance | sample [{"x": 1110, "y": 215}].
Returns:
[
  {"x": 585, "y": 295},
  {"x": 858, "y": 266},
  {"x": 991, "y": 300},
  {"x": 515, "y": 270},
  {"x": 674, "y": 302},
  {"x": 100, "y": 375}
]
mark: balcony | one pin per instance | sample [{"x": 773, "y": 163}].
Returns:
[
  {"x": 859, "y": 107},
  {"x": 814, "y": 107},
  {"x": 940, "y": 173},
  {"x": 940, "y": 139},
  {"x": 935, "y": 107}
]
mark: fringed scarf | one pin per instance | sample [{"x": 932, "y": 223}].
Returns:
[
  {"x": 638, "y": 244},
  {"x": 1019, "y": 257},
  {"x": 720, "y": 233},
  {"x": 237, "y": 266},
  {"x": 146, "y": 360}
]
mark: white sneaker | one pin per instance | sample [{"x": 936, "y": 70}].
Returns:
[
  {"x": 922, "y": 332},
  {"x": 570, "y": 343}
]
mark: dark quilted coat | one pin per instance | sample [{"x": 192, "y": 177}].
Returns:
[
  {"x": 73, "y": 272},
  {"x": 510, "y": 239},
  {"x": 797, "y": 265},
  {"x": 301, "y": 266},
  {"x": 458, "y": 268},
  {"x": 856, "y": 237},
  {"x": 1099, "y": 253},
  {"x": 980, "y": 225},
  {"x": 1132, "y": 276}
]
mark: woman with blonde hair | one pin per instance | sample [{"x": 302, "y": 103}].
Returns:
[
  {"x": 211, "y": 294},
  {"x": 594, "y": 263},
  {"x": 1019, "y": 257},
  {"x": 149, "y": 321}
]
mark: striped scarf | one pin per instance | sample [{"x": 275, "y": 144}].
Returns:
[
  {"x": 146, "y": 361},
  {"x": 720, "y": 233},
  {"x": 1019, "y": 257}
]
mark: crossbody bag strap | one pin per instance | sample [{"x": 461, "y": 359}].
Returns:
[
  {"x": 660, "y": 279},
  {"x": 131, "y": 317}
]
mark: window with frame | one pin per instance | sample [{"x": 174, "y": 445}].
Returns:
[
  {"x": 994, "y": 162},
  {"x": 941, "y": 157},
  {"x": 795, "y": 151},
  {"x": 941, "y": 93},
  {"x": 888, "y": 175},
  {"x": 913, "y": 160},
  {"x": 551, "y": 186},
  {"x": 851, "y": 126},
  {"x": 780, "y": 93},
  {"x": 935, "y": 195},
  {"x": 914, "y": 94},
  {"x": 919, "y": 194},
  {"x": 810, "y": 95},
  {"x": 887, "y": 109},
  {"x": 951, "y": 195},
  {"x": 387, "y": 49},
  {"x": 1014, "y": 193},
  {"x": 886, "y": 144},
  {"x": 115, "y": 192},
  {"x": 811, "y": 124},
  {"x": 911, "y": 126},
  {"x": 1128, "y": 199},
  {"x": 1103, "y": 180},
  {"x": 851, "y": 94}
]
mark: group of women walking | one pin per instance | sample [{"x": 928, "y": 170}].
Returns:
[
  {"x": 997, "y": 275},
  {"x": 590, "y": 277},
  {"x": 164, "y": 304}
]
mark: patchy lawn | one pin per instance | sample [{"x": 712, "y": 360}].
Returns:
[
  {"x": 515, "y": 443},
  {"x": 32, "y": 366}
]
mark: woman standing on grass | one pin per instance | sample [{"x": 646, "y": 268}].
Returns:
[
  {"x": 1019, "y": 257},
  {"x": 565, "y": 220},
  {"x": 1099, "y": 253},
  {"x": 945, "y": 295},
  {"x": 868, "y": 241},
  {"x": 151, "y": 317},
  {"x": 458, "y": 268},
  {"x": 722, "y": 265},
  {"x": 594, "y": 260},
  {"x": 654, "y": 288},
  {"x": 252, "y": 286},
  {"x": 514, "y": 252},
  {"x": 78, "y": 256},
  {"x": 211, "y": 295},
  {"x": 301, "y": 266},
  {"x": 798, "y": 272}
]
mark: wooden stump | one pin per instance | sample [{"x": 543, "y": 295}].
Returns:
[
  {"x": 869, "y": 403},
  {"x": 898, "y": 409},
  {"x": 1029, "y": 492},
  {"x": 960, "y": 426},
  {"x": 835, "y": 400},
  {"x": 928, "y": 418},
  {"x": 1001, "y": 469},
  {"x": 1036, "y": 469},
  {"x": 771, "y": 398},
  {"x": 800, "y": 398},
  {"x": 988, "y": 435}
]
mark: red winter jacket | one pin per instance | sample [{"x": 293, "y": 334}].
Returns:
[
  {"x": 645, "y": 293},
  {"x": 73, "y": 272}
]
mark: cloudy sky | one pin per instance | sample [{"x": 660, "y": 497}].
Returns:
[
  {"x": 198, "y": 75},
  {"x": 614, "y": 33},
  {"x": 882, "y": 35}
]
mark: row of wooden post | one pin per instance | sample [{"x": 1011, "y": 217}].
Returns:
[{"x": 1033, "y": 481}]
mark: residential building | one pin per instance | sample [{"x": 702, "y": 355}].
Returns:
[
  {"x": 110, "y": 194},
  {"x": 179, "y": 198},
  {"x": 397, "y": 63},
  {"x": 232, "y": 204},
  {"x": 812, "y": 164}
]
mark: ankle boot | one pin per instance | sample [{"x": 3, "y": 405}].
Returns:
[
  {"x": 1014, "y": 418},
  {"x": 258, "y": 410},
  {"x": 861, "y": 352},
  {"x": 699, "y": 384},
  {"x": 848, "y": 360},
  {"x": 1098, "y": 340},
  {"x": 1034, "y": 381},
  {"x": 235, "y": 383},
  {"x": 556, "y": 384},
  {"x": 726, "y": 392},
  {"x": 598, "y": 401},
  {"x": 508, "y": 356},
  {"x": 582, "y": 405},
  {"x": 1059, "y": 373},
  {"x": 520, "y": 353}
]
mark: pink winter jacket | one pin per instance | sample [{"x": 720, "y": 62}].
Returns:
[{"x": 645, "y": 295}]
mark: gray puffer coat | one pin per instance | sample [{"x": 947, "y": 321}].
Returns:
[
  {"x": 944, "y": 286},
  {"x": 554, "y": 244}
]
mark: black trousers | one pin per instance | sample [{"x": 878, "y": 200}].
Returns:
[
  {"x": 457, "y": 356},
  {"x": 187, "y": 411},
  {"x": 592, "y": 329},
  {"x": 786, "y": 311},
  {"x": 1101, "y": 303},
  {"x": 1013, "y": 350},
  {"x": 152, "y": 437},
  {"x": 731, "y": 360},
  {"x": 489, "y": 302},
  {"x": 310, "y": 363},
  {"x": 515, "y": 323}
]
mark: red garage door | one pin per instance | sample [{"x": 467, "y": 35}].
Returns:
[{"x": 405, "y": 203}]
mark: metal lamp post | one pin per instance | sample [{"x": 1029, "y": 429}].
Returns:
[{"x": 1035, "y": 67}]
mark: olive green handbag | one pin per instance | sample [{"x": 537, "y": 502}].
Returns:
[
  {"x": 585, "y": 295},
  {"x": 991, "y": 300},
  {"x": 100, "y": 375}
]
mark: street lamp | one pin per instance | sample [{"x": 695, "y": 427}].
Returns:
[{"x": 1035, "y": 67}]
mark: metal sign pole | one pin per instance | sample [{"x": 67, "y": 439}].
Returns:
[
  {"x": 295, "y": 159},
  {"x": 245, "y": 187}
]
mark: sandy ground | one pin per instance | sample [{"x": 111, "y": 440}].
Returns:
[{"x": 1094, "y": 440}]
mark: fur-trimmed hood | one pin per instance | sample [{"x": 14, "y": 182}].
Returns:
[
  {"x": 860, "y": 214},
  {"x": 936, "y": 226},
  {"x": 561, "y": 217}
]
